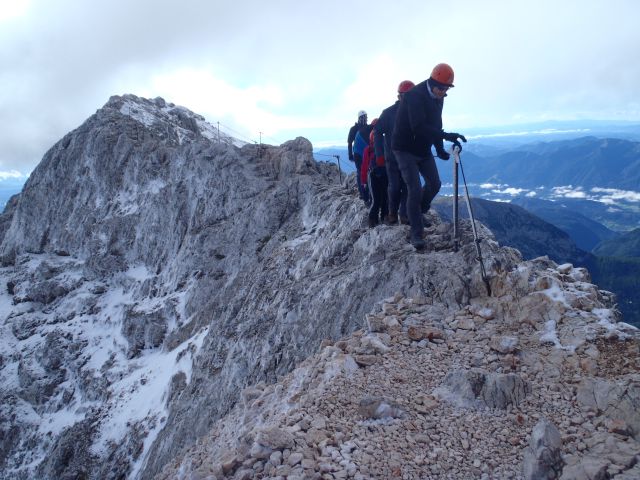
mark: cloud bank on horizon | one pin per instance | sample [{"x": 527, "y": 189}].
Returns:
[
  {"x": 609, "y": 196},
  {"x": 288, "y": 69}
]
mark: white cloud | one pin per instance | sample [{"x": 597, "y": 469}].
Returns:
[
  {"x": 510, "y": 191},
  {"x": 373, "y": 89},
  {"x": 524, "y": 133},
  {"x": 614, "y": 194},
  {"x": 12, "y": 174},
  {"x": 245, "y": 109},
  {"x": 300, "y": 69},
  {"x": 568, "y": 191},
  {"x": 608, "y": 196},
  {"x": 11, "y": 9}
]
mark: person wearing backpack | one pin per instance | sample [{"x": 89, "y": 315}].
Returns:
[
  {"x": 418, "y": 127},
  {"x": 376, "y": 177},
  {"x": 397, "y": 189},
  {"x": 355, "y": 149}
]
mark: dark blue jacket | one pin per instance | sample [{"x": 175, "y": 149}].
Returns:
[
  {"x": 418, "y": 122},
  {"x": 383, "y": 130},
  {"x": 362, "y": 139},
  {"x": 353, "y": 131}
]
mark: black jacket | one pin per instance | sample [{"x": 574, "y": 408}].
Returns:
[
  {"x": 351, "y": 138},
  {"x": 364, "y": 129},
  {"x": 383, "y": 131},
  {"x": 418, "y": 122}
]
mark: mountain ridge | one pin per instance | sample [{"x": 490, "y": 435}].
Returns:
[
  {"x": 141, "y": 242},
  {"x": 155, "y": 272}
]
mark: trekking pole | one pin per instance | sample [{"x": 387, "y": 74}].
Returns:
[
  {"x": 456, "y": 233},
  {"x": 476, "y": 239},
  {"x": 337, "y": 157}
]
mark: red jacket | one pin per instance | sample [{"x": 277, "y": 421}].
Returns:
[{"x": 368, "y": 158}]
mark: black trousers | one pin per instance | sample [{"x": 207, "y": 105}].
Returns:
[
  {"x": 364, "y": 194},
  {"x": 418, "y": 198},
  {"x": 378, "y": 187},
  {"x": 397, "y": 188}
]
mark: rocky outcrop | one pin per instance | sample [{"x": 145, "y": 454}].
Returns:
[
  {"x": 478, "y": 388},
  {"x": 543, "y": 456},
  {"x": 618, "y": 400},
  {"x": 388, "y": 418}
]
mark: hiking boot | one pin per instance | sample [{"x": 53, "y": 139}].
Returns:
[
  {"x": 391, "y": 219},
  {"x": 372, "y": 222},
  {"x": 404, "y": 220},
  {"x": 417, "y": 241}
]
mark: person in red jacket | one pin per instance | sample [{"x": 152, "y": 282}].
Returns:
[{"x": 374, "y": 173}]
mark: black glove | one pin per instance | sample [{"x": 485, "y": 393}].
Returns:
[
  {"x": 442, "y": 154},
  {"x": 453, "y": 137}
]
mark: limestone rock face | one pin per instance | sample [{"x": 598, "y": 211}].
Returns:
[
  {"x": 154, "y": 269},
  {"x": 618, "y": 400}
]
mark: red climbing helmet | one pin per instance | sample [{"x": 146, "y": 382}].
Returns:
[
  {"x": 443, "y": 74},
  {"x": 405, "y": 86}
]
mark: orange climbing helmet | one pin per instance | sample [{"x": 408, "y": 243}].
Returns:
[
  {"x": 405, "y": 86},
  {"x": 443, "y": 74}
]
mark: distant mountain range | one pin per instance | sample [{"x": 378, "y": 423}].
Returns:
[
  {"x": 587, "y": 162},
  {"x": 514, "y": 226},
  {"x": 9, "y": 187},
  {"x": 625, "y": 245},
  {"x": 584, "y": 230},
  {"x": 509, "y": 136}
]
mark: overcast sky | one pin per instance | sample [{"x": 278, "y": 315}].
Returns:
[{"x": 290, "y": 68}]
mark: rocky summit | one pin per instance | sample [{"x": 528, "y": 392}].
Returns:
[
  {"x": 535, "y": 382},
  {"x": 177, "y": 305}
]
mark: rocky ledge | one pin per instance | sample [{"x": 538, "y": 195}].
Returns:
[{"x": 538, "y": 381}]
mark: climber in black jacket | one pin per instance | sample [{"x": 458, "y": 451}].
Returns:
[
  {"x": 397, "y": 190},
  {"x": 418, "y": 126}
]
